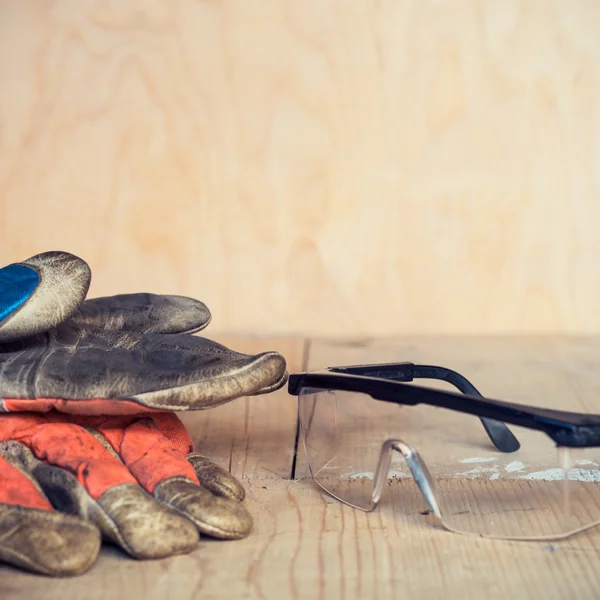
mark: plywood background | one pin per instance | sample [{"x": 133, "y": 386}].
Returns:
[{"x": 345, "y": 167}]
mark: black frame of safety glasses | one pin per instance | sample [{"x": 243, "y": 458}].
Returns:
[{"x": 387, "y": 382}]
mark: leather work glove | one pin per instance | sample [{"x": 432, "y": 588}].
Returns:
[{"x": 90, "y": 447}]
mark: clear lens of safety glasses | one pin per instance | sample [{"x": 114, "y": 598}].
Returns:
[{"x": 356, "y": 447}]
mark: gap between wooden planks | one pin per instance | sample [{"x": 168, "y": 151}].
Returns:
[
  {"x": 252, "y": 437},
  {"x": 306, "y": 545}
]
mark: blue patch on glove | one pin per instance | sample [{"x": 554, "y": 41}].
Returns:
[{"x": 17, "y": 284}]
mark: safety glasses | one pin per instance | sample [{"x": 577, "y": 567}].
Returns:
[{"x": 365, "y": 428}]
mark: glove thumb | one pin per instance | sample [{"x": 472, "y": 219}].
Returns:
[{"x": 41, "y": 292}]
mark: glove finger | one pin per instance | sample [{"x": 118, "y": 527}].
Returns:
[
  {"x": 168, "y": 372},
  {"x": 32, "y": 535},
  {"x": 80, "y": 476},
  {"x": 219, "y": 481},
  {"x": 274, "y": 386},
  {"x": 195, "y": 372},
  {"x": 97, "y": 406},
  {"x": 214, "y": 516},
  {"x": 154, "y": 449},
  {"x": 143, "y": 313},
  {"x": 202, "y": 374},
  {"x": 210, "y": 476},
  {"x": 40, "y": 293}
]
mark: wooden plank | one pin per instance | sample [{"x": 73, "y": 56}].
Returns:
[
  {"x": 479, "y": 488},
  {"x": 375, "y": 167},
  {"x": 553, "y": 371},
  {"x": 544, "y": 371},
  {"x": 252, "y": 436},
  {"x": 306, "y": 546}
]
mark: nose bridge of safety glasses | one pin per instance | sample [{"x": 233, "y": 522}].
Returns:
[{"x": 417, "y": 467}]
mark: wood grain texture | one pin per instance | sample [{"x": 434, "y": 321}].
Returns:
[
  {"x": 552, "y": 371},
  {"x": 307, "y": 545},
  {"x": 479, "y": 490},
  {"x": 318, "y": 167},
  {"x": 252, "y": 437}
]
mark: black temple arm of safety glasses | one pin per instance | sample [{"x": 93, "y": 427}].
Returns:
[
  {"x": 386, "y": 383},
  {"x": 499, "y": 433}
]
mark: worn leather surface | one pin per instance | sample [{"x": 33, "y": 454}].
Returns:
[
  {"x": 135, "y": 347},
  {"x": 143, "y": 313},
  {"x": 170, "y": 371},
  {"x": 216, "y": 479},
  {"x": 167, "y": 522},
  {"x": 47, "y": 542},
  {"x": 89, "y": 360},
  {"x": 64, "y": 283}
]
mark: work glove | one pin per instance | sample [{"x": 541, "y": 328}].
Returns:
[{"x": 90, "y": 447}]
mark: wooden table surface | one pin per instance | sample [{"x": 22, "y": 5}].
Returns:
[{"x": 307, "y": 545}]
